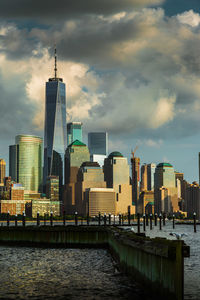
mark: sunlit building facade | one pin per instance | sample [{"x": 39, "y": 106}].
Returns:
[
  {"x": 2, "y": 170},
  {"x": 26, "y": 161}
]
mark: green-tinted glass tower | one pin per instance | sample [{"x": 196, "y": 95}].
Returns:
[{"x": 26, "y": 161}]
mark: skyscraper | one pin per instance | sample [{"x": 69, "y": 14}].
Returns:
[
  {"x": 150, "y": 176},
  {"x": 135, "y": 164},
  {"x": 74, "y": 132},
  {"x": 55, "y": 133},
  {"x": 164, "y": 180},
  {"x": 25, "y": 163},
  {"x": 144, "y": 177},
  {"x": 98, "y": 146},
  {"x": 2, "y": 170},
  {"x": 117, "y": 176}
]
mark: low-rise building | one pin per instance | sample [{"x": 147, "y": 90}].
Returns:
[{"x": 43, "y": 207}]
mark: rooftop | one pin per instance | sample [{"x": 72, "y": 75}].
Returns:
[
  {"x": 115, "y": 154},
  {"x": 77, "y": 143},
  {"x": 163, "y": 165}
]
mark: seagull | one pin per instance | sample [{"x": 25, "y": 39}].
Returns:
[
  {"x": 178, "y": 235},
  {"x": 129, "y": 229}
]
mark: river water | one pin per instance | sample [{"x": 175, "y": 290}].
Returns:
[{"x": 36, "y": 273}]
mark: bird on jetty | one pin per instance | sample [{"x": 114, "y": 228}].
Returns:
[
  {"x": 129, "y": 229},
  {"x": 178, "y": 235}
]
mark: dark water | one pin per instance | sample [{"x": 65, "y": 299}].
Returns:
[{"x": 33, "y": 273}]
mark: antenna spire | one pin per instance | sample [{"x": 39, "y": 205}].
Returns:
[{"x": 55, "y": 67}]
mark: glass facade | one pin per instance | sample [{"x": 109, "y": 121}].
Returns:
[
  {"x": 26, "y": 162},
  {"x": 98, "y": 143},
  {"x": 74, "y": 132},
  {"x": 55, "y": 133}
]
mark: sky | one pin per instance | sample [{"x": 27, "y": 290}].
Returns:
[{"x": 131, "y": 68}]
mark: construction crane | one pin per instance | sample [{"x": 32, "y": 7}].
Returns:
[{"x": 133, "y": 151}]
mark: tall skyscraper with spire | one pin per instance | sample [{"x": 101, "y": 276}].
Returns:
[{"x": 55, "y": 133}]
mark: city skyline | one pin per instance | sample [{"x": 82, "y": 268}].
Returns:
[{"x": 159, "y": 85}]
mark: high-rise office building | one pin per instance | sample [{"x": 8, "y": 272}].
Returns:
[
  {"x": 74, "y": 132},
  {"x": 150, "y": 176},
  {"x": 135, "y": 166},
  {"x": 164, "y": 182},
  {"x": 90, "y": 175},
  {"x": 25, "y": 163},
  {"x": 2, "y": 170},
  {"x": 55, "y": 133},
  {"x": 192, "y": 200},
  {"x": 98, "y": 143},
  {"x": 98, "y": 146},
  {"x": 76, "y": 153},
  {"x": 116, "y": 173},
  {"x": 144, "y": 178}
]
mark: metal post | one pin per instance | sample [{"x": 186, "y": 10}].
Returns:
[
  {"x": 104, "y": 219},
  {"x": 173, "y": 217},
  {"x": 24, "y": 219},
  {"x": 109, "y": 218},
  {"x": 164, "y": 216},
  {"x": 129, "y": 218},
  {"x": 88, "y": 219},
  {"x": 151, "y": 221},
  {"x": 114, "y": 220},
  {"x": 8, "y": 218},
  {"x": 195, "y": 224},
  {"x": 120, "y": 219},
  {"x": 156, "y": 217},
  {"x": 64, "y": 217},
  {"x": 16, "y": 220},
  {"x": 38, "y": 219},
  {"x": 138, "y": 223},
  {"x": 51, "y": 218},
  {"x": 147, "y": 220},
  {"x": 144, "y": 227},
  {"x": 44, "y": 219},
  {"x": 99, "y": 218},
  {"x": 76, "y": 218},
  {"x": 160, "y": 217}
]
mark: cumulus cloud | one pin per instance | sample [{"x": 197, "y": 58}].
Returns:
[{"x": 190, "y": 18}]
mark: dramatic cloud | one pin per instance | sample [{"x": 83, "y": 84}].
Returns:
[{"x": 26, "y": 9}]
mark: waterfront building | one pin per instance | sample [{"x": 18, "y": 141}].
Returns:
[
  {"x": 150, "y": 176},
  {"x": 15, "y": 207},
  {"x": 43, "y": 207},
  {"x": 135, "y": 168},
  {"x": 74, "y": 132},
  {"x": 146, "y": 202},
  {"x": 16, "y": 191},
  {"x": 26, "y": 161},
  {"x": 76, "y": 153},
  {"x": 116, "y": 174},
  {"x": 144, "y": 178},
  {"x": 2, "y": 170},
  {"x": 164, "y": 179},
  {"x": 192, "y": 200},
  {"x": 52, "y": 188},
  {"x": 55, "y": 133},
  {"x": 90, "y": 175},
  {"x": 100, "y": 200}
]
